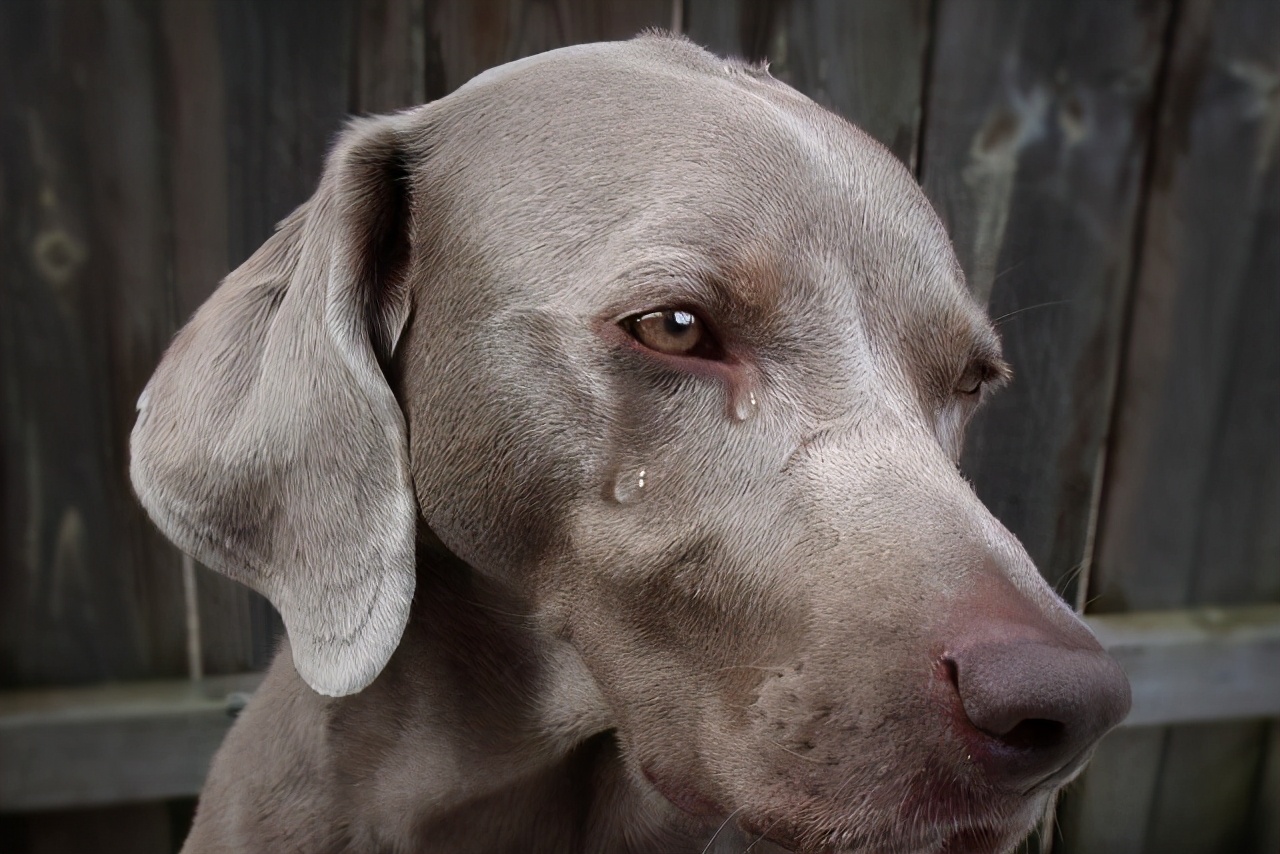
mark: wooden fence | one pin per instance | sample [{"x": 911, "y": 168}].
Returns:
[{"x": 1110, "y": 173}]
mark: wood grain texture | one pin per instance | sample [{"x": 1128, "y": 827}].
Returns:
[
  {"x": 1193, "y": 482},
  {"x": 113, "y": 744},
  {"x": 1201, "y": 665},
  {"x": 465, "y": 37},
  {"x": 1193, "y": 490},
  {"x": 863, "y": 59},
  {"x": 1095, "y": 815},
  {"x": 1034, "y": 149},
  {"x": 1264, "y": 830},
  {"x": 389, "y": 56},
  {"x": 89, "y": 590}
]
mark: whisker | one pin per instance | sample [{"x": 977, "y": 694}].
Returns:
[
  {"x": 722, "y": 826},
  {"x": 1002, "y": 318},
  {"x": 1067, "y": 579},
  {"x": 840, "y": 791},
  {"x": 757, "y": 840},
  {"x": 1006, "y": 271}
]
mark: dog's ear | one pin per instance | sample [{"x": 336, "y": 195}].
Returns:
[{"x": 269, "y": 444}]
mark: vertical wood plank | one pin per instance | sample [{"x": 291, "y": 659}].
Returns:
[
  {"x": 465, "y": 37},
  {"x": 89, "y": 590},
  {"x": 1193, "y": 485},
  {"x": 286, "y": 67},
  {"x": 863, "y": 59},
  {"x": 1034, "y": 158},
  {"x": 1194, "y": 488},
  {"x": 390, "y": 55},
  {"x": 1188, "y": 816},
  {"x": 1264, "y": 828},
  {"x": 1095, "y": 815}
]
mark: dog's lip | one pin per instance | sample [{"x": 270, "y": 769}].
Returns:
[
  {"x": 978, "y": 832},
  {"x": 976, "y": 839}
]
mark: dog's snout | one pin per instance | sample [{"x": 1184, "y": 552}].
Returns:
[{"x": 1037, "y": 706}]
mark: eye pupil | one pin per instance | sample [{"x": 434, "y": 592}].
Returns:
[
  {"x": 678, "y": 322},
  {"x": 674, "y": 332}
]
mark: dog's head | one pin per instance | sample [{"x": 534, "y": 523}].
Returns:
[{"x": 686, "y": 361}]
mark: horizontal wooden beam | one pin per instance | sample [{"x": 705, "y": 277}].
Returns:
[
  {"x": 109, "y": 744},
  {"x": 1207, "y": 664},
  {"x": 151, "y": 740}
]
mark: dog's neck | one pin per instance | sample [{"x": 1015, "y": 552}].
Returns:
[
  {"x": 493, "y": 731},
  {"x": 485, "y": 733}
]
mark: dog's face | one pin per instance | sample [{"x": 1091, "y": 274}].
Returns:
[{"x": 685, "y": 361}]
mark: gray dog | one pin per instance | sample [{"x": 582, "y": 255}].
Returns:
[{"x": 594, "y": 430}]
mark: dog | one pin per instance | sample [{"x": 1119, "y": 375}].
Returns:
[{"x": 594, "y": 430}]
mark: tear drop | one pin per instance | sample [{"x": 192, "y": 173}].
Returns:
[
  {"x": 629, "y": 486},
  {"x": 744, "y": 406}
]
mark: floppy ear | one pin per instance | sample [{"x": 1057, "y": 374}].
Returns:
[{"x": 268, "y": 443}]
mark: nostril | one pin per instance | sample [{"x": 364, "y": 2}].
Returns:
[
  {"x": 1034, "y": 734},
  {"x": 953, "y": 672}
]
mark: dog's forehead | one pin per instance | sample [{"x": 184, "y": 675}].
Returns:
[{"x": 655, "y": 146}]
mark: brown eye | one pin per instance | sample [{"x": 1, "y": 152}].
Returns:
[{"x": 674, "y": 332}]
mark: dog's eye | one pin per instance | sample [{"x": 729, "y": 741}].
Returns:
[
  {"x": 674, "y": 332},
  {"x": 970, "y": 382}
]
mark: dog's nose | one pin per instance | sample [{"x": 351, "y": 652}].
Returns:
[{"x": 1040, "y": 705}]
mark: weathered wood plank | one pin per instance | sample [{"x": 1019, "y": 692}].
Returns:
[
  {"x": 1034, "y": 158},
  {"x": 113, "y": 743},
  {"x": 1094, "y": 817},
  {"x": 1187, "y": 815},
  {"x": 864, "y": 59},
  {"x": 1264, "y": 828},
  {"x": 286, "y": 70},
  {"x": 89, "y": 590},
  {"x": 1193, "y": 485},
  {"x": 465, "y": 37},
  {"x": 1198, "y": 665},
  {"x": 389, "y": 55},
  {"x": 1184, "y": 666}
]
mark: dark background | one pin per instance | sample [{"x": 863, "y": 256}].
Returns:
[{"x": 1107, "y": 168}]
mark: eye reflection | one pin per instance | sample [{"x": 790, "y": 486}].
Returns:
[{"x": 675, "y": 332}]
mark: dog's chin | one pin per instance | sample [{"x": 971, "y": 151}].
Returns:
[
  {"x": 976, "y": 836},
  {"x": 996, "y": 830}
]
